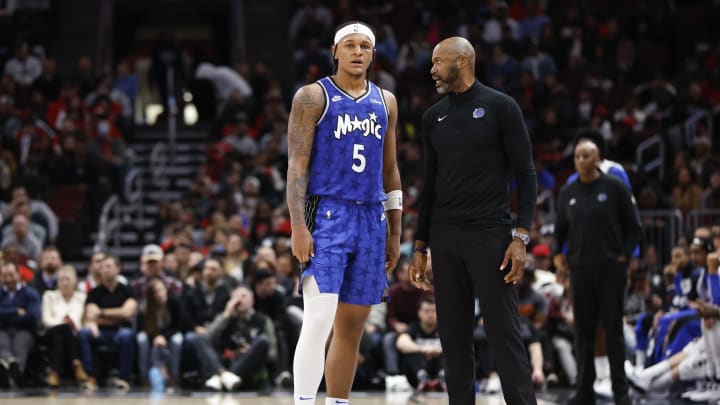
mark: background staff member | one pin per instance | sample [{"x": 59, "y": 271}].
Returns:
[{"x": 598, "y": 219}]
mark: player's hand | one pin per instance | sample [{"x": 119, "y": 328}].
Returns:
[
  {"x": 302, "y": 243},
  {"x": 516, "y": 254},
  {"x": 416, "y": 271},
  {"x": 392, "y": 252}
]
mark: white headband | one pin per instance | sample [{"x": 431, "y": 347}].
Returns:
[{"x": 354, "y": 28}]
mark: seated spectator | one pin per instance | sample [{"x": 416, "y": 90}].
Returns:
[
  {"x": 47, "y": 277},
  {"x": 109, "y": 312},
  {"x": 421, "y": 352},
  {"x": 207, "y": 297},
  {"x": 370, "y": 359},
  {"x": 38, "y": 224},
  {"x": 24, "y": 68},
  {"x": 9, "y": 254},
  {"x": 238, "y": 346},
  {"x": 270, "y": 300},
  {"x": 236, "y": 257},
  {"x": 560, "y": 327},
  {"x": 19, "y": 316},
  {"x": 49, "y": 82},
  {"x": 40, "y": 212},
  {"x": 160, "y": 340},
  {"x": 62, "y": 312},
  {"x": 28, "y": 246},
  {"x": 151, "y": 260},
  {"x": 94, "y": 278},
  {"x": 401, "y": 311},
  {"x": 686, "y": 193},
  {"x": 532, "y": 308},
  {"x": 126, "y": 81}
]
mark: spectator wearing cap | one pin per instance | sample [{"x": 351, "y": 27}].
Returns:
[
  {"x": 151, "y": 262},
  {"x": 541, "y": 252}
]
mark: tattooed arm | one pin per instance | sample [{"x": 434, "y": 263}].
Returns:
[{"x": 307, "y": 105}]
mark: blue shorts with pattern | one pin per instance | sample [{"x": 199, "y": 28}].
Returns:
[{"x": 349, "y": 239}]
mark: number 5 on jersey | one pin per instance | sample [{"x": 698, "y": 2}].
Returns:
[{"x": 358, "y": 158}]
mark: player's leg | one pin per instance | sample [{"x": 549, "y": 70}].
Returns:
[
  {"x": 363, "y": 284},
  {"x": 321, "y": 280},
  {"x": 343, "y": 353}
]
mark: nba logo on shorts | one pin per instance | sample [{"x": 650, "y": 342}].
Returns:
[
  {"x": 479, "y": 112},
  {"x": 602, "y": 197}
]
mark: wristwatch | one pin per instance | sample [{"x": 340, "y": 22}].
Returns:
[{"x": 525, "y": 238}]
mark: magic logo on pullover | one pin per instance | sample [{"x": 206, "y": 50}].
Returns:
[{"x": 347, "y": 154}]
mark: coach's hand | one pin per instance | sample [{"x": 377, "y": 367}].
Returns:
[
  {"x": 516, "y": 253},
  {"x": 416, "y": 271},
  {"x": 302, "y": 243},
  {"x": 392, "y": 252}
]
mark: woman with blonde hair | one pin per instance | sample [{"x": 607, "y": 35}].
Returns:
[{"x": 62, "y": 312}]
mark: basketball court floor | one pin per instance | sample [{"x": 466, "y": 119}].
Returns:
[
  {"x": 204, "y": 398},
  {"x": 108, "y": 397}
]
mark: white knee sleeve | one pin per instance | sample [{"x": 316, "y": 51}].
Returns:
[
  {"x": 309, "y": 362},
  {"x": 711, "y": 336}
]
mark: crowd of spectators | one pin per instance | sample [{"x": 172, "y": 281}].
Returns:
[{"x": 216, "y": 303}]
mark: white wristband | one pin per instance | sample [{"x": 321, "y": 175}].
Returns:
[{"x": 394, "y": 200}]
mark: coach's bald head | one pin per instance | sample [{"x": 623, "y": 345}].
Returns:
[{"x": 453, "y": 66}]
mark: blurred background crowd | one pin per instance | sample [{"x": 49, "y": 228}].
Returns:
[{"x": 195, "y": 286}]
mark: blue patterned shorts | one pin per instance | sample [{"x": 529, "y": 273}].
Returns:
[{"x": 349, "y": 239}]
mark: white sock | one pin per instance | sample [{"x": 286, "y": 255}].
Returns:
[
  {"x": 304, "y": 399},
  {"x": 309, "y": 362},
  {"x": 655, "y": 370},
  {"x": 602, "y": 367},
  {"x": 336, "y": 401}
]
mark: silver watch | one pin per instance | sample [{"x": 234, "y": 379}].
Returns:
[{"x": 525, "y": 238}]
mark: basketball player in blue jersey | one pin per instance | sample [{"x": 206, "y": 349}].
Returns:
[{"x": 345, "y": 205}]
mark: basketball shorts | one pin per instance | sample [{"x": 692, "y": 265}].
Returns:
[{"x": 349, "y": 239}]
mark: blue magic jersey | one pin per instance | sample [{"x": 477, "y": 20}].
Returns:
[{"x": 347, "y": 153}]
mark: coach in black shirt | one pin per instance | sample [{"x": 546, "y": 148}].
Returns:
[
  {"x": 473, "y": 139},
  {"x": 598, "y": 219}
]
